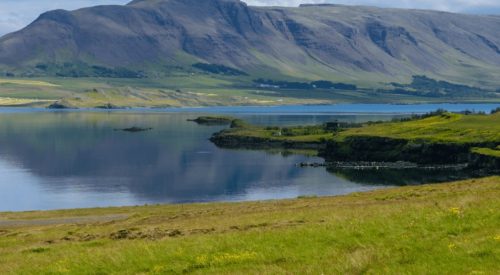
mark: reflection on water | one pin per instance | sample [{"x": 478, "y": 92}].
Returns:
[
  {"x": 401, "y": 176},
  {"x": 77, "y": 159}
]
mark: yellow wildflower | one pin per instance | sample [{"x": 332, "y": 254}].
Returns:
[{"x": 455, "y": 210}]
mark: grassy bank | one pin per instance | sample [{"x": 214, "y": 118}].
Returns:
[
  {"x": 439, "y": 229},
  {"x": 440, "y": 138},
  {"x": 447, "y": 127}
]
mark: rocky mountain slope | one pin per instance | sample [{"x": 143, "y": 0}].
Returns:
[{"x": 353, "y": 44}]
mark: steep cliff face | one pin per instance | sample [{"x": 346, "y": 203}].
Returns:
[{"x": 311, "y": 41}]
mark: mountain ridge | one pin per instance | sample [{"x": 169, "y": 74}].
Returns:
[{"x": 334, "y": 42}]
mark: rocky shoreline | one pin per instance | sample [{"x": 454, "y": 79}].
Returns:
[{"x": 364, "y": 165}]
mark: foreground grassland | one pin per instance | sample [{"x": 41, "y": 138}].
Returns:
[{"x": 434, "y": 229}]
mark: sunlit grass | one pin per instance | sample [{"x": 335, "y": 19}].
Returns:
[
  {"x": 449, "y": 127},
  {"x": 434, "y": 229},
  {"x": 452, "y": 128},
  {"x": 487, "y": 151},
  {"x": 7, "y": 101},
  {"x": 27, "y": 82}
]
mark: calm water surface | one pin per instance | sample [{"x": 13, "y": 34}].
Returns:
[{"x": 55, "y": 160}]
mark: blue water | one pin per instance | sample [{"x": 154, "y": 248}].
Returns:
[
  {"x": 358, "y": 109},
  {"x": 75, "y": 159},
  {"x": 344, "y": 109}
]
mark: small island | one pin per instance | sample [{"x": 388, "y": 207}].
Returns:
[
  {"x": 134, "y": 129},
  {"x": 213, "y": 120}
]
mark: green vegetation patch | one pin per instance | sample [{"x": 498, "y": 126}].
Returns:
[
  {"x": 444, "y": 128},
  {"x": 425, "y": 86},
  {"x": 301, "y": 134},
  {"x": 447, "y": 127},
  {"x": 487, "y": 151},
  {"x": 218, "y": 69},
  {"x": 385, "y": 231},
  {"x": 80, "y": 69}
]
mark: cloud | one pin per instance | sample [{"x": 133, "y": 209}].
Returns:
[
  {"x": 476, "y": 6},
  {"x": 15, "y": 14}
]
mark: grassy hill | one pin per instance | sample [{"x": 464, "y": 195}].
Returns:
[{"x": 384, "y": 231}]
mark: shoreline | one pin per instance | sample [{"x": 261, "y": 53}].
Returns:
[
  {"x": 83, "y": 212},
  {"x": 386, "y": 230},
  {"x": 234, "y": 108}
]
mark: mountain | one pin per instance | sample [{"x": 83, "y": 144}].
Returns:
[{"x": 331, "y": 42}]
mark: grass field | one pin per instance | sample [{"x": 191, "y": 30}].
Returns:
[
  {"x": 456, "y": 128},
  {"x": 296, "y": 133},
  {"x": 6, "y": 101},
  {"x": 173, "y": 91},
  {"x": 446, "y": 128},
  {"x": 27, "y": 82},
  {"x": 449, "y": 228},
  {"x": 188, "y": 90}
]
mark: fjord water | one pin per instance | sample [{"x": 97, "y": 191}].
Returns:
[{"x": 55, "y": 160}]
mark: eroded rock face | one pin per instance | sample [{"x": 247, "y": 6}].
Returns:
[{"x": 314, "y": 39}]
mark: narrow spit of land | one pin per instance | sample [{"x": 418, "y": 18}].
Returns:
[{"x": 449, "y": 228}]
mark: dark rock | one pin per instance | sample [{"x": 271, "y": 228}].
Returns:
[
  {"x": 121, "y": 234},
  {"x": 109, "y": 106},
  {"x": 135, "y": 129},
  {"x": 59, "y": 106},
  {"x": 212, "y": 120}
]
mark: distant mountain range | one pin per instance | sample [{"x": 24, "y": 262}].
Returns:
[{"x": 310, "y": 42}]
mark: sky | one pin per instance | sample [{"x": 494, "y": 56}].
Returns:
[{"x": 15, "y": 14}]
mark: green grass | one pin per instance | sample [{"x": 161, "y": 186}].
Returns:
[
  {"x": 449, "y": 127},
  {"x": 455, "y": 128},
  {"x": 27, "y": 82},
  {"x": 434, "y": 229},
  {"x": 197, "y": 89},
  {"x": 487, "y": 151},
  {"x": 172, "y": 91},
  {"x": 303, "y": 134}
]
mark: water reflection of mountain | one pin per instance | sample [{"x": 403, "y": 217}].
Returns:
[
  {"x": 175, "y": 160},
  {"x": 401, "y": 176}
]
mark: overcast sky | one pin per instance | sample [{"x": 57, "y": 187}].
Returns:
[{"x": 15, "y": 14}]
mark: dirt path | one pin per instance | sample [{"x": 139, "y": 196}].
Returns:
[{"x": 69, "y": 220}]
